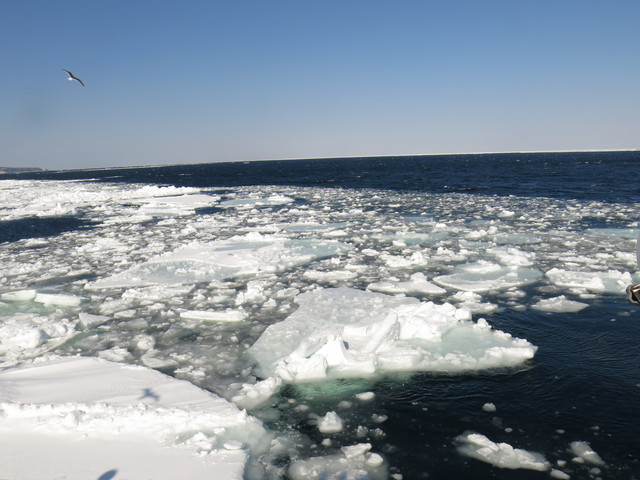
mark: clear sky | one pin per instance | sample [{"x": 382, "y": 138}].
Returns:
[{"x": 203, "y": 81}]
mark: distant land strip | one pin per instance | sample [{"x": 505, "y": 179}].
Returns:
[{"x": 19, "y": 169}]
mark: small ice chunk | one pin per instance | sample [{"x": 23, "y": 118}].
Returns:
[
  {"x": 229, "y": 316},
  {"x": 418, "y": 284},
  {"x": 489, "y": 407},
  {"x": 559, "y": 474},
  {"x": 58, "y": 299},
  {"x": 584, "y": 451},
  {"x": 354, "y": 462},
  {"x": 330, "y": 423},
  {"x": 88, "y": 320},
  {"x": 365, "y": 396},
  {"x": 19, "y": 296},
  {"x": 254, "y": 395},
  {"x": 501, "y": 455},
  {"x": 559, "y": 305}
]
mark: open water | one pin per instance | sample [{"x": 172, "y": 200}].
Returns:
[{"x": 572, "y": 217}]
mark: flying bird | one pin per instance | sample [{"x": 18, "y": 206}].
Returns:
[{"x": 72, "y": 77}]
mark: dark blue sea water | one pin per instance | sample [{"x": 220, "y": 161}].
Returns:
[
  {"x": 602, "y": 176},
  {"x": 584, "y": 382}
]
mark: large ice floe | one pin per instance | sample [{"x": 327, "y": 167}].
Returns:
[
  {"x": 343, "y": 332},
  {"x": 88, "y": 417},
  {"x": 252, "y": 254}
]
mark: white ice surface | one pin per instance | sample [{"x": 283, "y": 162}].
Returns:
[
  {"x": 484, "y": 276},
  {"x": 342, "y": 332},
  {"x": 559, "y": 304},
  {"x": 79, "y": 418},
  {"x": 584, "y": 451},
  {"x": 354, "y": 462},
  {"x": 611, "y": 281},
  {"x": 501, "y": 455},
  {"x": 417, "y": 284},
  {"x": 252, "y": 254}
]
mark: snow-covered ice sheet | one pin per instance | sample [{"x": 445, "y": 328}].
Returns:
[
  {"x": 79, "y": 418},
  {"x": 343, "y": 332}
]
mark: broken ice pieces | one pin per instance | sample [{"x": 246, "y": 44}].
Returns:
[
  {"x": 501, "y": 455},
  {"x": 346, "y": 333}
]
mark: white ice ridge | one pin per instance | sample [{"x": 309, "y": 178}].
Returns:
[
  {"x": 344, "y": 332},
  {"x": 251, "y": 254},
  {"x": 501, "y": 455},
  {"x": 83, "y": 417}
]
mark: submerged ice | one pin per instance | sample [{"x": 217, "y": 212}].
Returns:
[{"x": 251, "y": 292}]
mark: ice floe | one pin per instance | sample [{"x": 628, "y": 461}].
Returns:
[
  {"x": 342, "y": 332},
  {"x": 416, "y": 285},
  {"x": 559, "y": 304},
  {"x": 69, "y": 412},
  {"x": 252, "y": 254},
  {"x": 484, "y": 276},
  {"x": 501, "y": 455},
  {"x": 611, "y": 281}
]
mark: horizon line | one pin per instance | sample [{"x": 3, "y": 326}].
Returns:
[{"x": 507, "y": 152}]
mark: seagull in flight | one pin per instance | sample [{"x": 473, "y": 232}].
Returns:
[{"x": 72, "y": 77}]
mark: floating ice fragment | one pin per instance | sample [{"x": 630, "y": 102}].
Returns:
[
  {"x": 600, "y": 282},
  {"x": 355, "y": 462},
  {"x": 473, "y": 302},
  {"x": 584, "y": 451},
  {"x": 501, "y": 455},
  {"x": 511, "y": 256},
  {"x": 19, "y": 296},
  {"x": 484, "y": 276},
  {"x": 559, "y": 474},
  {"x": 204, "y": 262},
  {"x": 272, "y": 200},
  {"x": 365, "y": 396},
  {"x": 26, "y": 335},
  {"x": 251, "y": 396},
  {"x": 176, "y": 204},
  {"x": 418, "y": 284},
  {"x": 559, "y": 304},
  {"x": 58, "y": 299},
  {"x": 330, "y": 423},
  {"x": 229, "y": 316},
  {"x": 489, "y": 407},
  {"x": 346, "y": 333},
  {"x": 88, "y": 320}
]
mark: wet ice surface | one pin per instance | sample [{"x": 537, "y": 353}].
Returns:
[{"x": 193, "y": 283}]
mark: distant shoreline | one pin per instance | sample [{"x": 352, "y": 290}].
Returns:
[{"x": 20, "y": 169}]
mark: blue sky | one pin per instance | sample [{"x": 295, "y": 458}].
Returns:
[{"x": 172, "y": 82}]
